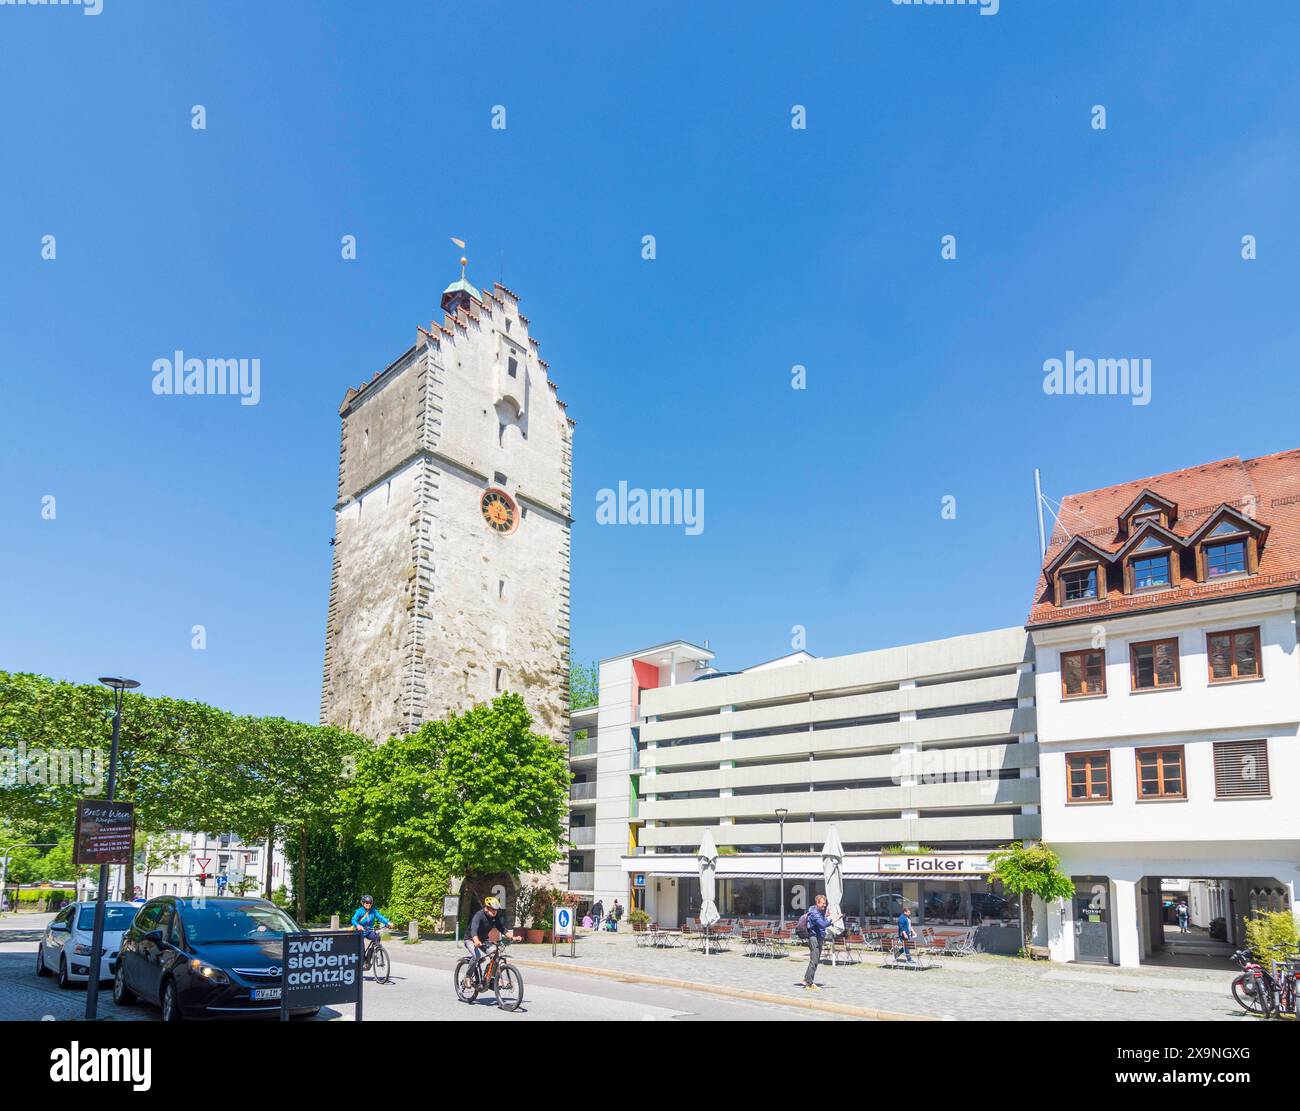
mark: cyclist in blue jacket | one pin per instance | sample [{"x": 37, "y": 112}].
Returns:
[{"x": 366, "y": 917}]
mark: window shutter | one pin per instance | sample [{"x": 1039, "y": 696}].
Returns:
[{"x": 1241, "y": 769}]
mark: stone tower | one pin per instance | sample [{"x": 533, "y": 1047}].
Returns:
[{"x": 450, "y": 580}]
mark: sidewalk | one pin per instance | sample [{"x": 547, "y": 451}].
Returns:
[{"x": 964, "y": 988}]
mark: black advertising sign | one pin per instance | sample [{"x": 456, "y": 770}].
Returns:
[
  {"x": 321, "y": 968},
  {"x": 105, "y": 832}
]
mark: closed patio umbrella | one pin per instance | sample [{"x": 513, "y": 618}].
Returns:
[
  {"x": 708, "y": 860},
  {"x": 833, "y": 875}
]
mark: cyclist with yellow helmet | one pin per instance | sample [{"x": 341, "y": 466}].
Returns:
[{"x": 487, "y": 919}]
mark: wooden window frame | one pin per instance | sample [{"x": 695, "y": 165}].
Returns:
[
  {"x": 1232, "y": 634},
  {"x": 1252, "y": 556},
  {"x": 1160, "y": 776},
  {"x": 1132, "y": 666},
  {"x": 1130, "y": 575},
  {"x": 1070, "y": 800},
  {"x": 1092, "y": 565},
  {"x": 1066, "y": 696}
]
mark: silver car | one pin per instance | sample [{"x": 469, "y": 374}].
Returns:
[{"x": 64, "y": 950}]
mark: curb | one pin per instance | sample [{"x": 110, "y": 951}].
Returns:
[{"x": 734, "y": 993}]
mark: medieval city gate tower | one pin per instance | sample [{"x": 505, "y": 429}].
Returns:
[{"x": 450, "y": 581}]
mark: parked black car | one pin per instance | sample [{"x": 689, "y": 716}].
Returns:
[{"x": 210, "y": 957}]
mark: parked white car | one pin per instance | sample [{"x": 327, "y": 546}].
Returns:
[{"x": 64, "y": 950}]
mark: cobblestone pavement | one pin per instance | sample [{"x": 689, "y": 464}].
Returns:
[
  {"x": 26, "y": 997},
  {"x": 963, "y": 988}
]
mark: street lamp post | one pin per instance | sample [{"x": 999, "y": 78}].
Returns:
[
  {"x": 119, "y": 688},
  {"x": 780, "y": 891}
]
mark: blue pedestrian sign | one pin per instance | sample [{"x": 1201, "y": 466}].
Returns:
[{"x": 563, "y": 922}]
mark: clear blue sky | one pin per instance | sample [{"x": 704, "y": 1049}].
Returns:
[{"x": 775, "y": 247}]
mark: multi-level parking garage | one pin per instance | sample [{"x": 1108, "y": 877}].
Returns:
[{"x": 922, "y": 758}]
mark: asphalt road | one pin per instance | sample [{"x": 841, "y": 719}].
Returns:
[{"x": 421, "y": 989}]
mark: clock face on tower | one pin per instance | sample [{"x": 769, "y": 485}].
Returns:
[{"x": 499, "y": 511}]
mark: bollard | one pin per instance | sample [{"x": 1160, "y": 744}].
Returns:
[
  {"x": 413, "y": 930},
  {"x": 334, "y": 921}
]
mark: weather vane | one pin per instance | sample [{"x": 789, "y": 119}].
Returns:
[{"x": 463, "y": 260}]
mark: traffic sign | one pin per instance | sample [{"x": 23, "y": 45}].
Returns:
[
  {"x": 203, "y": 862},
  {"x": 562, "y": 926}
]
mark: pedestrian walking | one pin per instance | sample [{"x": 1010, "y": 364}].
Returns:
[
  {"x": 616, "y": 913},
  {"x": 905, "y": 934},
  {"x": 598, "y": 912},
  {"x": 814, "y": 925},
  {"x": 1182, "y": 918}
]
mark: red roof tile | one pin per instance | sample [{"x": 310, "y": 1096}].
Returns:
[{"x": 1266, "y": 489}]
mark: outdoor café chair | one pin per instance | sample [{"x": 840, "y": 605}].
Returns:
[{"x": 963, "y": 945}]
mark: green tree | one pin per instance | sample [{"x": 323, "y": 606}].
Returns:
[
  {"x": 1271, "y": 928},
  {"x": 334, "y": 873},
  {"x": 185, "y": 765},
  {"x": 417, "y": 893},
  {"x": 478, "y": 795},
  {"x": 308, "y": 767},
  {"x": 1028, "y": 870},
  {"x": 584, "y": 684},
  {"x": 159, "y": 850}
]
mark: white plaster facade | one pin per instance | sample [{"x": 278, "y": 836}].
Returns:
[{"x": 1227, "y": 849}]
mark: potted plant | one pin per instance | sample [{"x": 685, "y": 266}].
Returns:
[
  {"x": 542, "y": 911},
  {"x": 640, "y": 919}
]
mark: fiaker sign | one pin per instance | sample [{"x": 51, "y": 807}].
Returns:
[
  {"x": 322, "y": 968},
  {"x": 936, "y": 864}
]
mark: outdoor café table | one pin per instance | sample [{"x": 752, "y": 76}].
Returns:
[{"x": 711, "y": 942}]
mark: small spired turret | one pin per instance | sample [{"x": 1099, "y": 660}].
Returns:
[{"x": 460, "y": 293}]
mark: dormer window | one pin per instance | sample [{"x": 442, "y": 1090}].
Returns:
[
  {"x": 1147, "y": 508},
  {"x": 1228, "y": 544},
  {"x": 1150, "y": 559},
  {"x": 1078, "y": 573},
  {"x": 1151, "y": 572},
  {"x": 1225, "y": 559},
  {"x": 1079, "y": 586}
]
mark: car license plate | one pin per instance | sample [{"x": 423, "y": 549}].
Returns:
[{"x": 265, "y": 993}]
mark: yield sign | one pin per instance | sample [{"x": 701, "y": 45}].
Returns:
[{"x": 203, "y": 862}]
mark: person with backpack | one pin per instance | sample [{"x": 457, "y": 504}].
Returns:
[
  {"x": 616, "y": 913},
  {"x": 812, "y": 927}
]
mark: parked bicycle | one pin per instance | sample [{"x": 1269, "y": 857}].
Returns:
[
  {"x": 493, "y": 972},
  {"x": 1270, "y": 992},
  {"x": 376, "y": 960}
]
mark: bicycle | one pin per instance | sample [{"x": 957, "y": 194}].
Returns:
[
  {"x": 473, "y": 976},
  {"x": 1262, "y": 991},
  {"x": 1284, "y": 980},
  {"x": 376, "y": 959}
]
